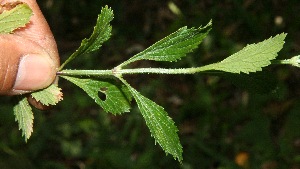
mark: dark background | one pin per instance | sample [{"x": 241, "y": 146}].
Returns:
[{"x": 219, "y": 122}]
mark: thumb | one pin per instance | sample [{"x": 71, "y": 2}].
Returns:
[
  {"x": 24, "y": 66},
  {"x": 28, "y": 58}
]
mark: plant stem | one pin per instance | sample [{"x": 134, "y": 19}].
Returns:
[
  {"x": 281, "y": 62},
  {"x": 119, "y": 72},
  {"x": 162, "y": 70},
  {"x": 294, "y": 61},
  {"x": 85, "y": 73}
]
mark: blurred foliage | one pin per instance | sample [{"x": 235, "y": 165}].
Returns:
[{"x": 221, "y": 125}]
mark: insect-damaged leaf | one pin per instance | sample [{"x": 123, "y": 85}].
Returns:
[{"x": 116, "y": 98}]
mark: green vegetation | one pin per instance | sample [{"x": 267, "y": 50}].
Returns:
[{"x": 220, "y": 129}]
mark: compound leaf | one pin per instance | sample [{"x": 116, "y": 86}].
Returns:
[
  {"x": 253, "y": 57},
  {"x": 24, "y": 116},
  {"x": 116, "y": 99},
  {"x": 48, "y": 96},
  {"x": 161, "y": 126},
  {"x": 173, "y": 47},
  {"x": 101, "y": 33},
  {"x": 14, "y": 18}
]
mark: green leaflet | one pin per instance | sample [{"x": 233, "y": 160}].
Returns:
[
  {"x": 174, "y": 46},
  {"x": 48, "y": 96},
  {"x": 24, "y": 116},
  {"x": 117, "y": 98},
  {"x": 161, "y": 126},
  {"x": 101, "y": 33},
  {"x": 15, "y": 18},
  {"x": 253, "y": 57}
]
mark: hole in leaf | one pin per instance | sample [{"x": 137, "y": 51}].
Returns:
[
  {"x": 101, "y": 93},
  {"x": 102, "y": 96}
]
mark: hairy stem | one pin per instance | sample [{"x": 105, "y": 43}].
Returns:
[
  {"x": 85, "y": 73},
  {"x": 280, "y": 62},
  {"x": 294, "y": 61},
  {"x": 119, "y": 72}
]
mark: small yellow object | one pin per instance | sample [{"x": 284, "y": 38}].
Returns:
[
  {"x": 174, "y": 8},
  {"x": 242, "y": 159}
]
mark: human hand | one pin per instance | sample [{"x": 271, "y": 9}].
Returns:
[{"x": 29, "y": 58}]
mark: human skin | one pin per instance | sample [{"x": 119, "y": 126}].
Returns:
[{"x": 29, "y": 57}]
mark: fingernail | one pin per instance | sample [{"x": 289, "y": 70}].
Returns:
[{"x": 34, "y": 72}]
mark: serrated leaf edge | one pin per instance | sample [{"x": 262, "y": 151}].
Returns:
[{"x": 24, "y": 107}]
